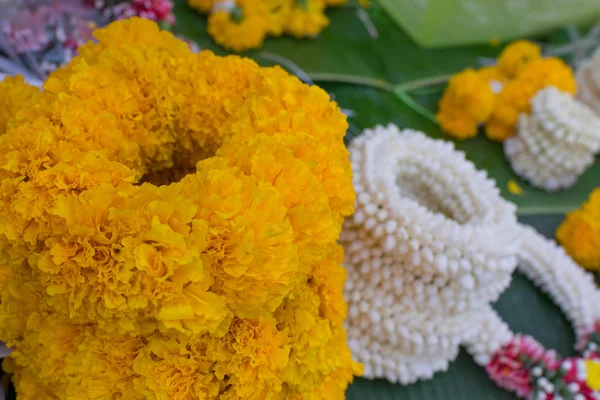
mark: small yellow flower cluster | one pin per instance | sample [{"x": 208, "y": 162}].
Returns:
[
  {"x": 495, "y": 96},
  {"x": 467, "y": 103},
  {"x": 240, "y": 25},
  {"x": 579, "y": 234},
  {"x": 224, "y": 284}
]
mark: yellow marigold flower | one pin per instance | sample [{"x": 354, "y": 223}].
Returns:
[
  {"x": 224, "y": 280},
  {"x": 492, "y": 74},
  {"x": 517, "y": 55},
  {"x": 204, "y": 6},
  {"x": 307, "y": 18},
  {"x": 467, "y": 102},
  {"x": 517, "y": 93},
  {"x": 242, "y": 28},
  {"x": 278, "y": 15},
  {"x": 579, "y": 234},
  {"x": 13, "y": 93}
]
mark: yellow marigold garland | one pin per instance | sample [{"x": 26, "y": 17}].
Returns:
[
  {"x": 519, "y": 75},
  {"x": 240, "y": 25},
  {"x": 224, "y": 284},
  {"x": 579, "y": 234}
]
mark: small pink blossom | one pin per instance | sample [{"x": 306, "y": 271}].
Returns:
[{"x": 507, "y": 369}]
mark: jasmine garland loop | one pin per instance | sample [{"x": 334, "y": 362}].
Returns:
[{"x": 430, "y": 245}]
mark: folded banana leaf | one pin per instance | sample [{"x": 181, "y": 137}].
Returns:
[{"x": 438, "y": 23}]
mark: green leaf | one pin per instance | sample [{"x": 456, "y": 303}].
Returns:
[
  {"x": 346, "y": 52},
  {"x": 461, "y": 22}
]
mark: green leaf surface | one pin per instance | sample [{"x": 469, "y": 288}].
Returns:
[{"x": 346, "y": 50}]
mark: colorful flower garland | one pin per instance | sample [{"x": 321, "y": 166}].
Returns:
[
  {"x": 168, "y": 227},
  {"x": 523, "y": 365},
  {"x": 431, "y": 244}
]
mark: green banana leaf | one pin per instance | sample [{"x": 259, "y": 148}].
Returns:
[
  {"x": 437, "y": 23},
  {"x": 345, "y": 51}
]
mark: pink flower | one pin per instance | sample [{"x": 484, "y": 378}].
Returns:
[
  {"x": 507, "y": 367},
  {"x": 157, "y": 10}
]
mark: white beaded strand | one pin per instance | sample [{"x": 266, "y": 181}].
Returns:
[
  {"x": 570, "y": 287},
  {"x": 430, "y": 245}
]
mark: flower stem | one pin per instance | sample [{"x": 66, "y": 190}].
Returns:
[
  {"x": 416, "y": 107},
  {"x": 420, "y": 83},
  {"x": 352, "y": 79}
]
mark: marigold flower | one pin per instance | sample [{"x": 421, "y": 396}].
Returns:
[
  {"x": 467, "y": 102},
  {"x": 494, "y": 77},
  {"x": 516, "y": 56},
  {"x": 516, "y": 95},
  {"x": 579, "y": 234},
  {"x": 225, "y": 282},
  {"x": 307, "y": 18},
  {"x": 278, "y": 15},
  {"x": 242, "y": 28},
  {"x": 204, "y": 6},
  {"x": 14, "y": 92}
]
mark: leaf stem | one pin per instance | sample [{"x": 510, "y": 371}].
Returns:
[
  {"x": 352, "y": 79},
  {"x": 416, "y": 107},
  {"x": 401, "y": 91},
  {"x": 420, "y": 83}
]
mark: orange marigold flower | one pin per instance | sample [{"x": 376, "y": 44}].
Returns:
[
  {"x": 307, "y": 19},
  {"x": 493, "y": 74},
  {"x": 204, "y": 6},
  {"x": 278, "y": 15},
  {"x": 14, "y": 92},
  {"x": 516, "y": 95},
  {"x": 467, "y": 102},
  {"x": 516, "y": 56},
  {"x": 579, "y": 234},
  {"x": 242, "y": 27}
]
